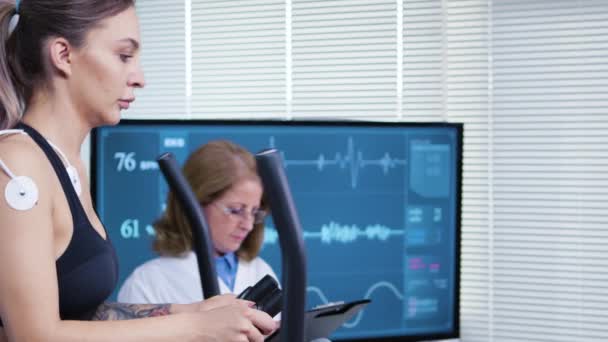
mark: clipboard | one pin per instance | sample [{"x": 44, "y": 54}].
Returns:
[{"x": 323, "y": 321}]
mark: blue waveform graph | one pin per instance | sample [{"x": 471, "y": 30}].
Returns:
[
  {"x": 352, "y": 159},
  {"x": 338, "y": 233}
]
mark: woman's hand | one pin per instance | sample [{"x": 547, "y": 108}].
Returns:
[
  {"x": 208, "y": 304},
  {"x": 221, "y": 300},
  {"x": 236, "y": 321}
]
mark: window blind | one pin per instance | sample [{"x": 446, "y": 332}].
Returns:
[
  {"x": 550, "y": 163},
  {"x": 465, "y": 97},
  {"x": 238, "y": 59},
  {"x": 423, "y": 50},
  {"x": 163, "y": 41},
  {"x": 344, "y": 58}
]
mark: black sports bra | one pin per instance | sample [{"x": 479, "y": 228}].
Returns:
[{"x": 87, "y": 271}]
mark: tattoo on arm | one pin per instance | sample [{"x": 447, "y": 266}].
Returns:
[{"x": 122, "y": 311}]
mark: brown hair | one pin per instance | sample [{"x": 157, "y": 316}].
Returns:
[
  {"x": 211, "y": 171},
  {"x": 24, "y": 68}
]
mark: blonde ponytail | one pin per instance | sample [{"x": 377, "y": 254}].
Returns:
[{"x": 11, "y": 102}]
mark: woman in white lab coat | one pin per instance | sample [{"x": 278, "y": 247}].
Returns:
[{"x": 224, "y": 178}]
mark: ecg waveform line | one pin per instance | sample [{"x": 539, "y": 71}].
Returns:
[
  {"x": 335, "y": 232},
  {"x": 352, "y": 158},
  {"x": 368, "y": 294}
]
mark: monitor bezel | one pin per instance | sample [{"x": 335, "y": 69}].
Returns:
[{"x": 459, "y": 128}]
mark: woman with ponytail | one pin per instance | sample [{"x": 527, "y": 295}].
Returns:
[{"x": 66, "y": 67}]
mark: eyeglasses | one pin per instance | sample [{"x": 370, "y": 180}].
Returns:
[{"x": 241, "y": 212}]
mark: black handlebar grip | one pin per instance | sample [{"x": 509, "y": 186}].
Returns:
[
  {"x": 261, "y": 289},
  {"x": 272, "y": 302},
  {"x": 266, "y": 295}
]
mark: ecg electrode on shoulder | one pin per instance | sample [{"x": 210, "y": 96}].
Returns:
[{"x": 20, "y": 193}]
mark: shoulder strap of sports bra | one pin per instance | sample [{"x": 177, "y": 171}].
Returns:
[{"x": 60, "y": 170}]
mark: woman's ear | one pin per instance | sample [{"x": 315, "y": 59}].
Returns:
[{"x": 61, "y": 54}]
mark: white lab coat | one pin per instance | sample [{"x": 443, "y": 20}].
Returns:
[{"x": 176, "y": 280}]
